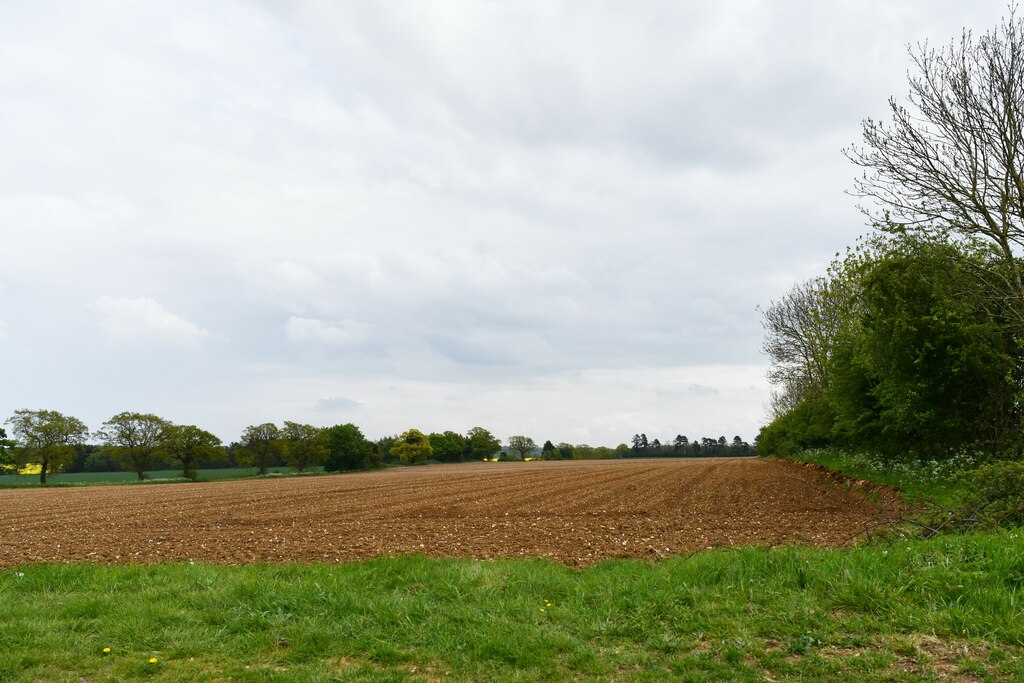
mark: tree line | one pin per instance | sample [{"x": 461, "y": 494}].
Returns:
[
  {"x": 143, "y": 442},
  {"x": 912, "y": 342},
  {"x": 682, "y": 446}
]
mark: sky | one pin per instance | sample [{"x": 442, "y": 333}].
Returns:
[{"x": 547, "y": 218}]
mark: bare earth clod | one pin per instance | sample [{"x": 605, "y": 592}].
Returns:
[{"x": 575, "y": 512}]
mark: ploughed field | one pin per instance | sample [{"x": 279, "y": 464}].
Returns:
[{"x": 576, "y": 512}]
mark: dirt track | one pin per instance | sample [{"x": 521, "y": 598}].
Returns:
[{"x": 576, "y": 512}]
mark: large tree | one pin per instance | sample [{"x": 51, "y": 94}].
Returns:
[
  {"x": 448, "y": 446},
  {"x": 7, "y": 461},
  {"x": 412, "y": 447},
  {"x": 482, "y": 445},
  {"x": 261, "y": 446},
  {"x": 521, "y": 445},
  {"x": 304, "y": 445},
  {"x": 134, "y": 440},
  {"x": 924, "y": 363},
  {"x": 925, "y": 367},
  {"x": 799, "y": 331},
  {"x": 188, "y": 445},
  {"x": 549, "y": 452},
  {"x": 347, "y": 448},
  {"x": 47, "y": 437},
  {"x": 953, "y": 153}
]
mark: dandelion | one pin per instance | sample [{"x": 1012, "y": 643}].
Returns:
[
  {"x": 152, "y": 660},
  {"x": 106, "y": 650},
  {"x": 541, "y": 609}
]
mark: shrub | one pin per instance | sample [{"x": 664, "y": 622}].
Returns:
[{"x": 996, "y": 493}]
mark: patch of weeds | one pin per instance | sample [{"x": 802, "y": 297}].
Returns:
[{"x": 803, "y": 644}]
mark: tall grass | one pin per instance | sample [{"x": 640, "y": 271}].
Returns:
[
  {"x": 952, "y": 605},
  {"x": 929, "y": 478}
]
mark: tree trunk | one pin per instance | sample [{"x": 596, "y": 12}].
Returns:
[
  {"x": 141, "y": 473},
  {"x": 42, "y": 471}
]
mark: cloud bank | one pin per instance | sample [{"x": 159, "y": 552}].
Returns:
[{"x": 556, "y": 219}]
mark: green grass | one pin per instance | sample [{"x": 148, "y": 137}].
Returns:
[
  {"x": 80, "y": 478},
  {"x": 912, "y": 611},
  {"x": 935, "y": 480}
]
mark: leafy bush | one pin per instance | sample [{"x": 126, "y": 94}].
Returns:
[
  {"x": 807, "y": 426},
  {"x": 996, "y": 493}
]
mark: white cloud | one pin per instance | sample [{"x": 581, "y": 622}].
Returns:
[
  {"x": 482, "y": 200},
  {"x": 336, "y": 404},
  {"x": 339, "y": 333},
  {"x": 145, "y": 320}
]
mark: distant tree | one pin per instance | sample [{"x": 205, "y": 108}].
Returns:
[
  {"x": 188, "y": 445},
  {"x": 566, "y": 451},
  {"x": 100, "y": 460},
  {"x": 134, "y": 440},
  {"x": 448, "y": 446},
  {"x": 583, "y": 451},
  {"x": 521, "y": 445},
  {"x": 304, "y": 445},
  {"x": 375, "y": 460},
  {"x": 46, "y": 437},
  {"x": 549, "y": 452},
  {"x": 680, "y": 443},
  {"x": 482, "y": 445},
  {"x": 412, "y": 447},
  {"x": 7, "y": 461},
  {"x": 656, "y": 446},
  {"x": 261, "y": 446},
  {"x": 603, "y": 453},
  {"x": 347, "y": 448},
  {"x": 622, "y": 451},
  {"x": 384, "y": 445},
  {"x": 640, "y": 444}
]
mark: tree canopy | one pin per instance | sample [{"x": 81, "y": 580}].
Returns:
[
  {"x": 47, "y": 437},
  {"x": 448, "y": 446},
  {"x": 921, "y": 365},
  {"x": 304, "y": 445},
  {"x": 482, "y": 444},
  {"x": 134, "y": 440},
  {"x": 347, "y": 448},
  {"x": 260, "y": 446},
  {"x": 952, "y": 156},
  {"x": 521, "y": 445},
  {"x": 188, "y": 445},
  {"x": 412, "y": 447}
]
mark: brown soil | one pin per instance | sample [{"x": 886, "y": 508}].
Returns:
[{"x": 575, "y": 512}]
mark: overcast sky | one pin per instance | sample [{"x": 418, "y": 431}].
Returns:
[{"x": 546, "y": 218}]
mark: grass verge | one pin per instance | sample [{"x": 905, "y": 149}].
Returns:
[
  {"x": 917, "y": 610},
  {"x": 936, "y": 480}
]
